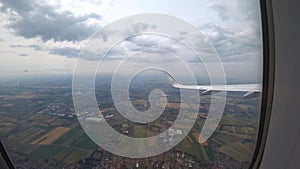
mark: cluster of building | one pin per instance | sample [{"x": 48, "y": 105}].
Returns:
[{"x": 58, "y": 109}]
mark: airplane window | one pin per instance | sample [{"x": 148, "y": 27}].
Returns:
[{"x": 130, "y": 84}]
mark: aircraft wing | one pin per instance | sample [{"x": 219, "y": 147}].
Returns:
[{"x": 251, "y": 90}]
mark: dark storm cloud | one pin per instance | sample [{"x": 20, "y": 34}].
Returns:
[{"x": 36, "y": 19}]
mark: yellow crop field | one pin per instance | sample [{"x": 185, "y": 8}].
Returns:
[{"x": 50, "y": 137}]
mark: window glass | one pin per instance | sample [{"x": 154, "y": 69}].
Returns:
[{"x": 130, "y": 84}]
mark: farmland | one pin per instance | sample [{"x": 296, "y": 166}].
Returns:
[
  {"x": 50, "y": 137},
  {"x": 43, "y": 130}
]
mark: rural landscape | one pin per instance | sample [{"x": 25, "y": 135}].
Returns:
[{"x": 40, "y": 129}]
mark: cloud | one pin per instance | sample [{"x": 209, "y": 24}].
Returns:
[
  {"x": 233, "y": 45},
  {"x": 221, "y": 10},
  {"x": 138, "y": 27},
  {"x": 36, "y": 47},
  {"x": 151, "y": 48},
  {"x": 16, "y": 5},
  {"x": 67, "y": 51},
  {"x": 240, "y": 42},
  {"x": 31, "y": 19},
  {"x": 237, "y": 37},
  {"x": 23, "y": 54},
  {"x": 237, "y": 10},
  {"x": 140, "y": 42},
  {"x": 16, "y": 46},
  {"x": 145, "y": 46}
]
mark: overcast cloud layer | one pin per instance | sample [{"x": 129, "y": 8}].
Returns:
[{"x": 61, "y": 28}]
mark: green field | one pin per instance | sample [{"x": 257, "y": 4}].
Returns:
[
  {"x": 226, "y": 139},
  {"x": 238, "y": 151},
  {"x": 139, "y": 131},
  {"x": 44, "y": 152},
  {"x": 203, "y": 153},
  {"x": 77, "y": 155},
  {"x": 27, "y": 148},
  {"x": 27, "y": 135},
  {"x": 59, "y": 152},
  {"x": 71, "y": 147},
  {"x": 232, "y": 120},
  {"x": 63, "y": 154},
  {"x": 85, "y": 142},
  {"x": 239, "y": 129}
]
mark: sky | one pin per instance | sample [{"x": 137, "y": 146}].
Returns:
[{"x": 46, "y": 37}]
